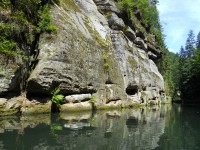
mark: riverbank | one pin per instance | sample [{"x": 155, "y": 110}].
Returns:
[{"x": 23, "y": 106}]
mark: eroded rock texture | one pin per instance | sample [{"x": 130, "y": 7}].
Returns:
[{"x": 95, "y": 52}]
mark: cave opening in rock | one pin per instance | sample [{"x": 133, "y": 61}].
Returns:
[
  {"x": 132, "y": 88},
  {"x": 131, "y": 91}
]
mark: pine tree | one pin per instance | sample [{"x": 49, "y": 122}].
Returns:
[
  {"x": 182, "y": 53},
  {"x": 190, "y": 44},
  {"x": 154, "y": 2},
  {"x": 198, "y": 41}
]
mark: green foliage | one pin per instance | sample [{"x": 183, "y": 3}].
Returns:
[
  {"x": 150, "y": 19},
  {"x": 45, "y": 22},
  {"x": 21, "y": 21},
  {"x": 4, "y": 4},
  {"x": 6, "y": 47},
  {"x": 171, "y": 75},
  {"x": 56, "y": 127},
  {"x": 198, "y": 41},
  {"x": 150, "y": 16},
  {"x": 93, "y": 100},
  {"x": 190, "y": 44},
  {"x": 127, "y": 5},
  {"x": 56, "y": 97},
  {"x": 184, "y": 71}
]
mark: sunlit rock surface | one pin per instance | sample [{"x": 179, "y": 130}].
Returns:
[{"x": 92, "y": 52}]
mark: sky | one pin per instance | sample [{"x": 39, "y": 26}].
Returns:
[{"x": 177, "y": 18}]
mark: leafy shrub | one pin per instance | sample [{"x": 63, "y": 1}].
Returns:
[
  {"x": 20, "y": 22},
  {"x": 127, "y": 5},
  {"x": 45, "y": 23},
  {"x": 56, "y": 97},
  {"x": 93, "y": 100}
]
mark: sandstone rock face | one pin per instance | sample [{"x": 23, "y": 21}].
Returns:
[
  {"x": 93, "y": 54},
  {"x": 115, "y": 22},
  {"x": 10, "y": 81},
  {"x": 35, "y": 107},
  {"x": 90, "y": 48},
  {"x": 3, "y": 102},
  {"x": 9, "y": 107}
]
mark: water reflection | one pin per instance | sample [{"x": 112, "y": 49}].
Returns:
[
  {"x": 136, "y": 129},
  {"x": 182, "y": 129}
]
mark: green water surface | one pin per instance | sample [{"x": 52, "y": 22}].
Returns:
[{"x": 159, "y": 128}]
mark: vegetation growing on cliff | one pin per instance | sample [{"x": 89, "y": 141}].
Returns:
[
  {"x": 56, "y": 97},
  {"x": 20, "y": 22},
  {"x": 149, "y": 15}
]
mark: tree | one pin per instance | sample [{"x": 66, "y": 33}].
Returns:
[
  {"x": 198, "y": 41},
  {"x": 189, "y": 70},
  {"x": 154, "y": 2},
  {"x": 182, "y": 53},
  {"x": 190, "y": 44}
]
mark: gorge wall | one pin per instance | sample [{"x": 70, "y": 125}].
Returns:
[{"x": 94, "y": 54}]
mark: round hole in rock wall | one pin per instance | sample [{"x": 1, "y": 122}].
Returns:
[
  {"x": 132, "y": 88},
  {"x": 131, "y": 91}
]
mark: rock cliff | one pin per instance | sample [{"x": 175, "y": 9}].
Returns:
[{"x": 94, "y": 54}]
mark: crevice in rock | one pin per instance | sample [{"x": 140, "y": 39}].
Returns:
[
  {"x": 34, "y": 49},
  {"x": 84, "y": 100},
  {"x": 32, "y": 62},
  {"x": 112, "y": 100},
  {"x": 127, "y": 20},
  {"x": 10, "y": 94},
  {"x": 42, "y": 98},
  {"x": 90, "y": 84},
  {"x": 109, "y": 81}
]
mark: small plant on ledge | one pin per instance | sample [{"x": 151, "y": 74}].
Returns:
[
  {"x": 93, "y": 100},
  {"x": 56, "y": 97}
]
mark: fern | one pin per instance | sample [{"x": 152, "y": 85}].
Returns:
[{"x": 56, "y": 97}]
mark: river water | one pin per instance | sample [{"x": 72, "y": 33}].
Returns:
[{"x": 158, "y": 128}]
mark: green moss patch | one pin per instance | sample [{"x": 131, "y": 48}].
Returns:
[
  {"x": 132, "y": 62},
  {"x": 71, "y": 5}
]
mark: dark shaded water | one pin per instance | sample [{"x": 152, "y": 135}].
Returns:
[{"x": 166, "y": 128}]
